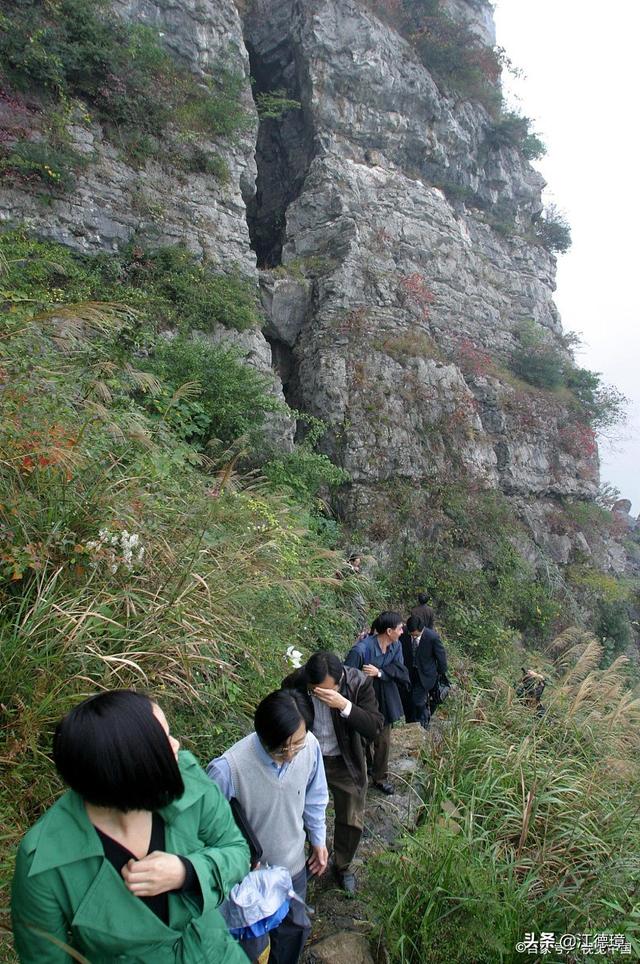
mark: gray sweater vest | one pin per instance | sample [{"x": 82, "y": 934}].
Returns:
[{"x": 274, "y": 807}]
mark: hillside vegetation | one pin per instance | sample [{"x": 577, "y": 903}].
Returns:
[
  {"x": 135, "y": 553},
  {"x": 129, "y": 557},
  {"x": 140, "y": 546},
  {"x": 530, "y": 819}
]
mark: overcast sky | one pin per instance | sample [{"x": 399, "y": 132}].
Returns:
[{"x": 580, "y": 60}]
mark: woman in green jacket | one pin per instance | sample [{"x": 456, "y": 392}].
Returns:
[{"x": 132, "y": 862}]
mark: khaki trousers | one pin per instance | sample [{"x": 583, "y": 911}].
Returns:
[{"x": 348, "y": 803}]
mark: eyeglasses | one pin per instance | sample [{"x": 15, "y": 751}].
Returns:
[{"x": 290, "y": 748}]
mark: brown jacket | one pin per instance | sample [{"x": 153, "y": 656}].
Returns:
[
  {"x": 363, "y": 723},
  {"x": 425, "y": 613}
]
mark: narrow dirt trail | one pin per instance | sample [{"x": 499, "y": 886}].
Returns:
[{"x": 342, "y": 923}]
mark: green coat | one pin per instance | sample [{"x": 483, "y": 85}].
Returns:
[{"x": 65, "y": 891}]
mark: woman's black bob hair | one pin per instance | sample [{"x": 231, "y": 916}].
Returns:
[
  {"x": 386, "y": 620},
  {"x": 278, "y": 716},
  {"x": 113, "y": 751},
  {"x": 321, "y": 665}
]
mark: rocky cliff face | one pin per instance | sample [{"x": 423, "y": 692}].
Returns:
[
  {"x": 113, "y": 200},
  {"x": 394, "y": 238},
  {"x": 154, "y": 202},
  {"x": 390, "y": 292}
]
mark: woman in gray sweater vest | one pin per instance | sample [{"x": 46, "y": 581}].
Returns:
[{"x": 277, "y": 775}]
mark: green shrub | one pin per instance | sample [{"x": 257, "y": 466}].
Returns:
[
  {"x": 168, "y": 287},
  {"x": 514, "y": 130},
  {"x": 214, "y": 106},
  {"x": 520, "y": 814},
  {"x": 41, "y": 164},
  {"x": 198, "y": 296},
  {"x": 540, "y": 362},
  {"x": 274, "y": 103},
  {"x": 304, "y": 472},
  {"x": 597, "y": 586},
  {"x": 200, "y": 161},
  {"x": 135, "y": 87},
  {"x": 588, "y": 516},
  {"x": 602, "y": 406},
  {"x": 613, "y": 627},
  {"x": 481, "y": 606},
  {"x": 535, "y": 359},
  {"x": 226, "y": 399},
  {"x": 553, "y": 231},
  {"x": 533, "y": 147}
]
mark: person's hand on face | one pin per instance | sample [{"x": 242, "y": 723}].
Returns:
[
  {"x": 155, "y": 874},
  {"x": 331, "y": 697}
]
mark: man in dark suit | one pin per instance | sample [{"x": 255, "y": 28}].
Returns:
[
  {"x": 427, "y": 662},
  {"x": 423, "y": 611}
]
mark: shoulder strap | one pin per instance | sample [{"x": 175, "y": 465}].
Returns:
[{"x": 246, "y": 830}]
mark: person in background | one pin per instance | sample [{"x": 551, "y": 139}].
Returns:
[
  {"x": 409, "y": 642},
  {"x": 379, "y": 655},
  {"x": 352, "y": 566},
  {"x": 343, "y": 708},
  {"x": 277, "y": 776},
  {"x": 424, "y": 612},
  {"x": 428, "y": 663},
  {"x": 530, "y": 690},
  {"x": 132, "y": 862}
]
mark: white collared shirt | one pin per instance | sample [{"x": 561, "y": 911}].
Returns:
[{"x": 323, "y": 728}]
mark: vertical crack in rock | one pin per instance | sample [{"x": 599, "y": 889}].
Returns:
[
  {"x": 397, "y": 265},
  {"x": 285, "y": 142},
  {"x": 285, "y": 148}
]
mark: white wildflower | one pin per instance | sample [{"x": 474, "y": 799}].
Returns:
[
  {"x": 294, "y": 656},
  {"x": 119, "y": 549}
]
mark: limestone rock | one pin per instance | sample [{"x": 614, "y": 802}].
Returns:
[
  {"x": 393, "y": 241},
  {"x": 405, "y": 275},
  {"x": 113, "y": 201},
  {"x": 287, "y": 302},
  {"x": 346, "y": 947},
  {"x": 622, "y": 505}
]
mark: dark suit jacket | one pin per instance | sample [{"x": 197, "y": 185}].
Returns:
[
  {"x": 408, "y": 655},
  {"x": 363, "y": 723},
  {"x": 430, "y": 659}
]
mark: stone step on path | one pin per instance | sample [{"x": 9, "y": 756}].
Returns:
[{"x": 342, "y": 924}]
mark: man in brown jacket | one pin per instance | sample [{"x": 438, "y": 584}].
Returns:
[
  {"x": 423, "y": 611},
  {"x": 343, "y": 711}
]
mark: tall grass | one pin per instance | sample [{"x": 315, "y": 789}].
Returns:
[
  {"x": 529, "y": 824},
  {"x": 129, "y": 558}
]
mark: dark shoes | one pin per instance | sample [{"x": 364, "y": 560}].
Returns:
[
  {"x": 385, "y": 787},
  {"x": 347, "y": 881}
]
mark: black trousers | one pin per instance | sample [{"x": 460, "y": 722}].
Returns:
[{"x": 424, "y": 703}]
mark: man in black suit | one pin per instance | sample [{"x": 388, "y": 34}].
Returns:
[{"x": 426, "y": 659}]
